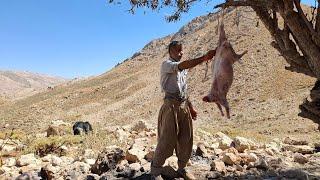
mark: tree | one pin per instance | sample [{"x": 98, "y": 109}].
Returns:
[{"x": 298, "y": 40}]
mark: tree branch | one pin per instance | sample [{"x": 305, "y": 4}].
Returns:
[{"x": 252, "y": 3}]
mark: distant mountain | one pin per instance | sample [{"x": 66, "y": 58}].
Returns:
[{"x": 17, "y": 85}]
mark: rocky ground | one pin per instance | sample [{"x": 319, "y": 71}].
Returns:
[{"x": 215, "y": 156}]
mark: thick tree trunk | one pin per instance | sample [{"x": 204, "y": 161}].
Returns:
[{"x": 311, "y": 109}]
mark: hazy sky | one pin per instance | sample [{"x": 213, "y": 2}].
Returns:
[{"x": 72, "y": 38}]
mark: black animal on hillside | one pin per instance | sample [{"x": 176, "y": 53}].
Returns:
[{"x": 80, "y": 127}]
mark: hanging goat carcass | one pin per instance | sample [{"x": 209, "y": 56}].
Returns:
[{"x": 222, "y": 72}]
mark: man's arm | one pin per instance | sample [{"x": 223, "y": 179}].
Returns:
[{"x": 193, "y": 62}]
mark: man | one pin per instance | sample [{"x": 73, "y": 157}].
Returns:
[{"x": 176, "y": 114}]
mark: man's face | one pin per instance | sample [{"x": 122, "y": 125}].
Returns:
[{"x": 176, "y": 52}]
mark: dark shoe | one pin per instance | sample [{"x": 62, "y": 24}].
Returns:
[
  {"x": 169, "y": 173},
  {"x": 185, "y": 174},
  {"x": 153, "y": 177}
]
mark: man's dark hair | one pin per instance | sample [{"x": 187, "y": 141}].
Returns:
[{"x": 174, "y": 44}]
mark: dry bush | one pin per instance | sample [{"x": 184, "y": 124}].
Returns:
[
  {"x": 99, "y": 139},
  {"x": 48, "y": 145}
]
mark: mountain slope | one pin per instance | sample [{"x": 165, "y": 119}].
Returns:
[
  {"x": 15, "y": 85},
  {"x": 264, "y": 98}
]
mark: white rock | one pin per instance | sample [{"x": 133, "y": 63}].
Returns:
[
  {"x": 172, "y": 161},
  {"x": 224, "y": 140},
  {"x": 89, "y": 154},
  {"x": 83, "y": 167},
  {"x": 56, "y": 161},
  {"x": 47, "y": 158},
  {"x": 27, "y": 159},
  {"x": 135, "y": 155},
  {"x": 8, "y": 148},
  {"x": 90, "y": 161},
  {"x": 121, "y": 135},
  {"x": 59, "y": 122},
  {"x": 303, "y": 149},
  {"x": 67, "y": 160},
  {"x": 10, "y": 162},
  {"x": 252, "y": 157},
  {"x": 242, "y": 144},
  {"x": 135, "y": 166}
]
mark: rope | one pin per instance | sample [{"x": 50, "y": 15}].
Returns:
[{"x": 217, "y": 30}]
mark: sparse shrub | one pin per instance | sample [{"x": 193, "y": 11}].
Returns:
[{"x": 47, "y": 145}]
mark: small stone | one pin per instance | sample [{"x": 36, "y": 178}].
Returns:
[
  {"x": 135, "y": 167},
  {"x": 67, "y": 160},
  {"x": 27, "y": 159},
  {"x": 47, "y": 158},
  {"x": 262, "y": 164},
  {"x": 292, "y": 141},
  {"x": 218, "y": 165},
  {"x": 242, "y": 144},
  {"x": 89, "y": 154},
  {"x": 90, "y": 161},
  {"x": 230, "y": 158},
  {"x": 56, "y": 161},
  {"x": 224, "y": 140},
  {"x": 269, "y": 151},
  {"x": 135, "y": 155},
  {"x": 7, "y": 148},
  {"x": 239, "y": 167},
  {"x": 172, "y": 161},
  {"x": 303, "y": 149},
  {"x": 201, "y": 150},
  {"x": 149, "y": 155},
  {"x": 299, "y": 158},
  {"x": 10, "y": 162}
]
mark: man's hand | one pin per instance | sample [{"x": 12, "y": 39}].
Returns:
[
  {"x": 193, "y": 112},
  {"x": 209, "y": 55}
]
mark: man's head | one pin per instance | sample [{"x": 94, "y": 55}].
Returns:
[{"x": 175, "y": 50}]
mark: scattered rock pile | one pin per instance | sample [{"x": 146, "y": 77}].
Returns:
[{"x": 219, "y": 156}]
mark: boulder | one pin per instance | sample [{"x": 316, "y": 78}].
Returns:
[
  {"x": 218, "y": 165},
  {"x": 89, "y": 154},
  {"x": 135, "y": 167},
  {"x": 242, "y": 144},
  {"x": 27, "y": 159},
  {"x": 201, "y": 150},
  {"x": 10, "y": 162},
  {"x": 121, "y": 135},
  {"x": 293, "y": 141},
  {"x": 135, "y": 155},
  {"x": 303, "y": 149},
  {"x": 299, "y": 158},
  {"x": 224, "y": 140},
  {"x": 261, "y": 164},
  {"x": 56, "y": 161},
  {"x": 230, "y": 158}
]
